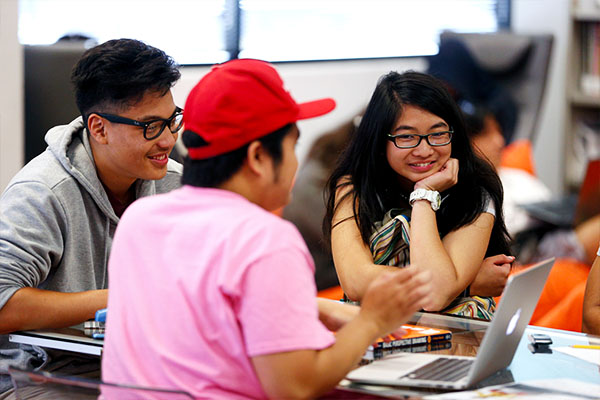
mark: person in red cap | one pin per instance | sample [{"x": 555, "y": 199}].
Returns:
[{"x": 226, "y": 306}]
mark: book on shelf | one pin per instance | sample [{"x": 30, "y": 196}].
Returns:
[
  {"x": 590, "y": 59},
  {"x": 415, "y": 335}
]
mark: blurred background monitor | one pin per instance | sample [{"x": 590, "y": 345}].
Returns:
[{"x": 49, "y": 98}]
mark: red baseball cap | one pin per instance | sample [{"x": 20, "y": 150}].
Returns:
[{"x": 240, "y": 101}]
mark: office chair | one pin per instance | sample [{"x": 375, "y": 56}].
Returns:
[
  {"x": 40, "y": 384},
  {"x": 514, "y": 67}
]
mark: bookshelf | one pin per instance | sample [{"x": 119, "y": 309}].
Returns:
[{"x": 583, "y": 90}]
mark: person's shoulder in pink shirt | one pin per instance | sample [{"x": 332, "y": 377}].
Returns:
[{"x": 211, "y": 293}]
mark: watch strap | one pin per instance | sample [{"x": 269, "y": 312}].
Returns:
[{"x": 432, "y": 196}]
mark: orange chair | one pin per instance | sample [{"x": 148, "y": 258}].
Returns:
[
  {"x": 568, "y": 313},
  {"x": 519, "y": 155},
  {"x": 333, "y": 293},
  {"x": 561, "y": 303}
]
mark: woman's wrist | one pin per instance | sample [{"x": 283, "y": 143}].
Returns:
[
  {"x": 420, "y": 185},
  {"x": 431, "y": 196}
]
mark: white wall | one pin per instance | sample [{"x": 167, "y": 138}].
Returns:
[
  {"x": 349, "y": 83},
  {"x": 549, "y": 16},
  {"x": 11, "y": 101}
]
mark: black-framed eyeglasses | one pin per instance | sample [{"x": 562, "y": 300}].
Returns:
[
  {"x": 153, "y": 128},
  {"x": 408, "y": 141}
]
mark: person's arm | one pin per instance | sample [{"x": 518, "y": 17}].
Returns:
[
  {"x": 455, "y": 260},
  {"x": 351, "y": 256},
  {"x": 336, "y": 314},
  {"x": 32, "y": 228},
  {"x": 588, "y": 235},
  {"x": 591, "y": 300},
  {"x": 492, "y": 276},
  {"x": 389, "y": 301},
  {"x": 31, "y": 308}
]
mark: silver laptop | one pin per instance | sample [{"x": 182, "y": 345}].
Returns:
[{"x": 495, "y": 353}]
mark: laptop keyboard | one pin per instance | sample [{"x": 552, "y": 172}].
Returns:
[{"x": 443, "y": 369}]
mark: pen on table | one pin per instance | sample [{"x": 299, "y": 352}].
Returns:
[{"x": 586, "y": 346}]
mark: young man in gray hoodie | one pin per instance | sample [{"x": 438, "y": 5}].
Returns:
[{"x": 59, "y": 213}]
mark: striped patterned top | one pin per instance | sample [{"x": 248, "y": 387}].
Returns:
[{"x": 389, "y": 243}]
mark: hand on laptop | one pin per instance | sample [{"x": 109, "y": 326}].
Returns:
[
  {"x": 393, "y": 297},
  {"x": 492, "y": 276}
]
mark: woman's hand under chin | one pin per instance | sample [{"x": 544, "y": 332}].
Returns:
[{"x": 442, "y": 180}]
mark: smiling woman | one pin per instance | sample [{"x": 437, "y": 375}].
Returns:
[
  {"x": 410, "y": 159},
  {"x": 409, "y": 188}
]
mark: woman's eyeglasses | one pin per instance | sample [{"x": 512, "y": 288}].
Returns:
[{"x": 404, "y": 141}]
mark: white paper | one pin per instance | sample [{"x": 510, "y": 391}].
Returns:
[
  {"x": 589, "y": 355},
  {"x": 546, "y": 389},
  {"x": 568, "y": 385}
]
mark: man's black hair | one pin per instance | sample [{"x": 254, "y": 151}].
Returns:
[
  {"x": 118, "y": 73},
  {"x": 214, "y": 171}
]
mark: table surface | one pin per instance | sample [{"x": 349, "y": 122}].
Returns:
[
  {"x": 526, "y": 366},
  {"x": 69, "y": 339},
  {"x": 467, "y": 335}
]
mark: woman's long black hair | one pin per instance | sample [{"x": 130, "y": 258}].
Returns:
[{"x": 364, "y": 165}]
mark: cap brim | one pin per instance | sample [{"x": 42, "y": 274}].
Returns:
[{"x": 315, "y": 108}]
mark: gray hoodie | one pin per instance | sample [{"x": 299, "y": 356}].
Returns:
[{"x": 57, "y": 225}]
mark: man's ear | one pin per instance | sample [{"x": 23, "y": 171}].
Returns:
[
  {"x": 97, "y": 128},
  {"x": 257, "y": 159}
]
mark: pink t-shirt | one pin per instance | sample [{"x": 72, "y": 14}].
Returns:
[{"x": 200, "y": 281}]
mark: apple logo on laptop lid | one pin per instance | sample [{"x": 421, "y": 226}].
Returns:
[{"x": 513, "y": 322}]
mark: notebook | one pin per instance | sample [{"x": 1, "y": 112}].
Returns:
[{"x": 458, "y": 372}]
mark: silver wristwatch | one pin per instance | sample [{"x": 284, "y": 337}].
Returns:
[{"x": 432, "y": 196}]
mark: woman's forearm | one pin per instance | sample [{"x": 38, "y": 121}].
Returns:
[{"x": 427, "y": 252}]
